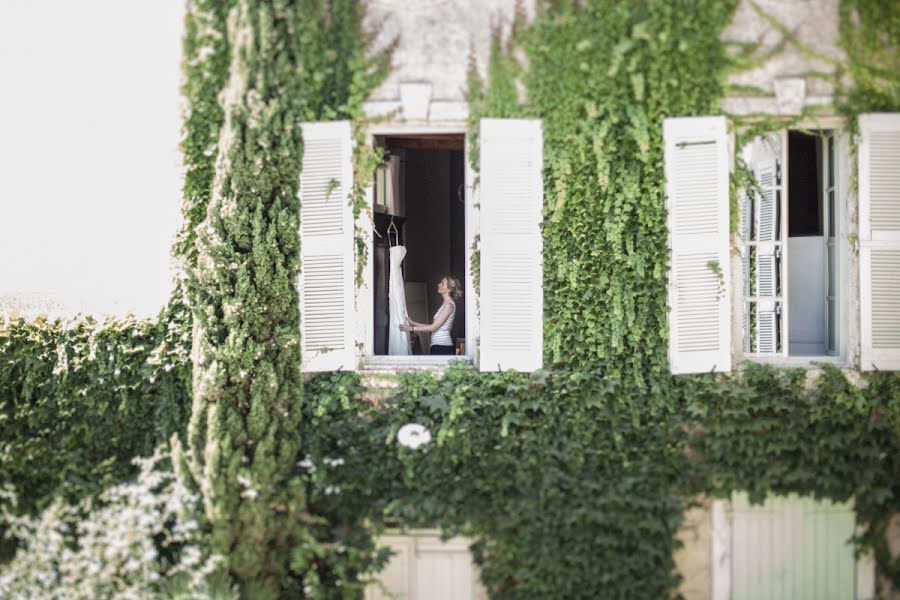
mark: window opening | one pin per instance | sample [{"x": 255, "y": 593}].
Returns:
[
  {"x": 790, "y": 247},
  {"x": 420, "y": 188}
]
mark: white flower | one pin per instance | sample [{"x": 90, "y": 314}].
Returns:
[
  {"x": 333, "y": 462},
  {"x": 307, "y": 464},
  {"x": 413, "y": 435}
]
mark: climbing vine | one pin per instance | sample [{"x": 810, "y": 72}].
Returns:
[{"x": 572, "y": 480}]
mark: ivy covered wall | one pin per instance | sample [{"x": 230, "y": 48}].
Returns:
[{"x": 572, "y": 480}]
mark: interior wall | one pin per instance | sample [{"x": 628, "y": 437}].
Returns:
[
  {"x": 427, "y": 225},
  {"x": 806, "y": 289},
  {"x": 433, "y": 231}
]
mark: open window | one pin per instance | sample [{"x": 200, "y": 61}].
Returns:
[
  {"x": 425, "y": 200},
  {"x": 789, "y": 255},
  {"x": 419, "y": 209}
]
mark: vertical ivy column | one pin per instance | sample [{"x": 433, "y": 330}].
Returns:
[
  {"x": 243, "y": 434},
  {"x": 205, "y": 66}
]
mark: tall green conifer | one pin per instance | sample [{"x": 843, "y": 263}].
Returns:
[{"x": 247, "y": 387}]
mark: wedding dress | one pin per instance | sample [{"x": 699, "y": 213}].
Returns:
[{"x": 398, "y": 341}]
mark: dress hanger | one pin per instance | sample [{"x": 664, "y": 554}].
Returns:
[{"x": 393, "y": 227}]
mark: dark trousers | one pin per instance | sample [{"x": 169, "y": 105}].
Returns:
[{"x": 439, "y": 349}]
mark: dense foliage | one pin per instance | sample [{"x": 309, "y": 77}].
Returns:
[
  {"x": 572, "y": 481},
  {"x": 573, "y": 484},
  {"x": 80, "y": 398},
  {"x": 134, "y": 540},
  {"x": 290, "y": 62},
  {"x": 870, "y": 35},
  {"x": 602, "y": 77}
]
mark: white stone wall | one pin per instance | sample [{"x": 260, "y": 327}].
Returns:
[
  {"x": 788, "y": 76},
  {"x": 436, "y": 39}
]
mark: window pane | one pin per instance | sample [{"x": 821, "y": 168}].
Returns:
[
  {"x": 831, "y": 342},
  {"x": 830, "y": 161},
  {"x": 831, "y": 275},
  {"x": 749, "y": 336},
  {"x": 831, "y": 212}
]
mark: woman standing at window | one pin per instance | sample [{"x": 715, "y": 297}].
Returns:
[{"x": 442, "y": 323}]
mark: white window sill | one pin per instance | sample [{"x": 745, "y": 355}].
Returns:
[
  {"x": 805, "y": 362},
  {"x": 412, "y": 363}
]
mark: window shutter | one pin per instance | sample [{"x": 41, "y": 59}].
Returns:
[
  {"x": 766, "y": 265},
  {"x": 696, "y": 169},
  {"x": 879, "y": 236},
  {"x": 326, "y": 248},
  {"x": 512, "y": 200}
]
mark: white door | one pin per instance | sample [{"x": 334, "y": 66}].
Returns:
[
  {"x": 425, "y": 568},
  {"x": 792, "y": 548}
]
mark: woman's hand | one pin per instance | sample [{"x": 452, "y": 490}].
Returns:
[{"x": 405, "y": 327}]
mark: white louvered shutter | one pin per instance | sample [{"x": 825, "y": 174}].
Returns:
[
  {"x": 512, "y": 199},
  {"x": 696, "y": 168},
  {"x": 879, "y": 235},
  {"x": 766, "y": 264},
  {"x": 326, "y": 248}
]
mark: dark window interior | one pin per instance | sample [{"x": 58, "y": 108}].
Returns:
[
  {"x": 432, "y": 226},
  {"x": 804, "y": 193}
]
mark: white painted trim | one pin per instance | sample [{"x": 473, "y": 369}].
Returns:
[
  {"x": 720, "y": 570},
  {"x": 785, "y": 254},
  {"x": 473, "y": 231},
  {"x": 865, "y": 574}
]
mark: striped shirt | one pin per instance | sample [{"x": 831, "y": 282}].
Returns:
[{"x": 441, "y": 337}]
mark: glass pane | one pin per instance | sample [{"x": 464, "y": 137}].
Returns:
[
  {"x": 747, "y": 208},
  {"x": 830, "y": 276},
  {"x": 831, "y": 342},
  {"x": 830, "y": 161},
  {"x": 831, "y": 212},
  {"x": 778, "y": 267},
  {"x": 779, "y": 311},
  {"x": 749, "y": 336},
  {"x": 778, "y": 215},
  {"x": 751, "y": 266},
  {"x": 747, "y": 269},
  {"x": 379, "y": 185}
]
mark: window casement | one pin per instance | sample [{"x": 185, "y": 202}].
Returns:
[
  {"x": 503, "y": 324},
  {"x": 795, "y": 276},
  {"x": 789, "y": 247}
]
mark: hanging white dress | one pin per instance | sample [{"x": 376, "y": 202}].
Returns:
[{"x": 398, "y": 341}]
